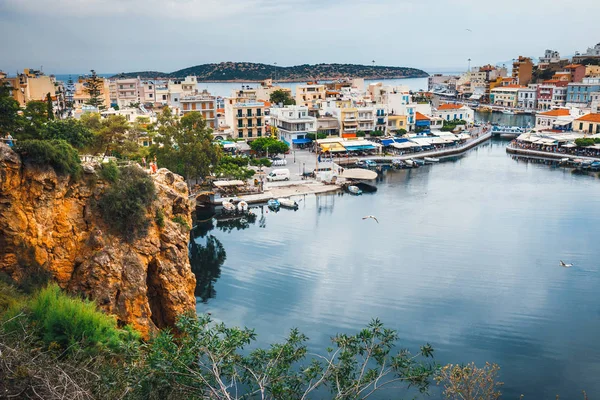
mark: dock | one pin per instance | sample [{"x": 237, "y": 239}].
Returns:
[{"x": 545, "y": 154}]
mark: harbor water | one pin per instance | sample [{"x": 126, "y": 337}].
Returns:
[{"x": 465, "y": 257}]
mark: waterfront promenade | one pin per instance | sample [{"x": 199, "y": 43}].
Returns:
[{"x": 512, "y": 149}]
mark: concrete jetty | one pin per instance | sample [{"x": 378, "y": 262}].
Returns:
[{"x": 545, "y": 154}]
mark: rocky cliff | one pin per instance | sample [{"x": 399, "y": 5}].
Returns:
[{"x": 51, "y": 222}]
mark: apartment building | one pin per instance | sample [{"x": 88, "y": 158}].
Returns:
[
  {"x": 505, "y": 96},
  {"x": 310, "y": 95},
  {"x": 527, "y": 98},
  {"x": 245, "y": 116},
  {"x": 589, "y": 124},
  {"x": 522, "y": 70},
  {"x": 293, "y": 124},
  {"x": 204, "y": 103}
]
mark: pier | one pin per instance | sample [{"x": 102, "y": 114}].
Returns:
[{"x": 546, "y": 154}]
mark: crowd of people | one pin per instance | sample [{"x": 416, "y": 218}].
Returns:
[{"x": 556, "y": 149}]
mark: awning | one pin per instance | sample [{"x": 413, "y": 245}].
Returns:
[
  {"x": 569, "y": 145},
  {"x": 358, "y": 173},
  {"x": 301, "y": 141},
  {"x": 421, "y": 141},
  {"x": 332, "y": 147},
  {"x": 360, "y": 147},
  {"x": 475, "y": 97},
  {"x": 387, "y": 142},
  {"x": 404, "y": 145},
  {"x": 228, "y": 183},
  {"x": 229, "y": 146},
  {"x": 243, "y": 146}
]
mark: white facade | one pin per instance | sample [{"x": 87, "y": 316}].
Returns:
[
  {"x": 451, "y": 112},
  {"x": 527, "y": 98},
  {"x": 550, "y": 56},
  {"x": 366, "y": 119},
  {"x": 293, "y": 123}
]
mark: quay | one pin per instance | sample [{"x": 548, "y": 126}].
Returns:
[
  {"x": 440, "y": 153},
  {"x": 512, "y": 149}
]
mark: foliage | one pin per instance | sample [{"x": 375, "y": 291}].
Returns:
[
  {"x": 10, "y": 296},
  {"x": 94, "y": 87},
  {"x": 239, "y": 161},
  {"x": 64, "y": 321},
  {"x": 49, "y": 107},
  {"x": 360, "y": 134},
  {"x": 187, "y": 144},
  {"x": 258, "y": 162},
  {"x": 282, "y": 97},
  {"x": 74, "y": 132},
  {"x": 178, "y": 219},
  {"x": 9, "y": 108},
  {"x": 269, "y": 145},
  {"x": 159, "y": 218},
  {"x": 110, "y": 172},
  {"x": 376, "y": 133},
  {"x": 232, "y": 171},
  {"x": 58, "y": 154},
  {"x": 206, "y": 361},
  {"x": 468, "y": 382},
  {"x": 124, "y": 205},
  {"x": 320, "y": 135},
  {"x": 400, "y": 132},
  {"x": 206, "y": 261},
  {"x": 585, "y": 142},
  {"x": 449, "y": 126},
  {"x": 34, "y": 120}
]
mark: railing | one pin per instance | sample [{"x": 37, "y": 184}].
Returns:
[{"x": 8, "y": 142}]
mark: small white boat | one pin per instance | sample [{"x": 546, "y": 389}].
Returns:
[
  {"x": 431, "y": 160},
  {"x": 409, "y": 163},
  {"x": 354, "y": 190},
  {"x": 564, "y": 160},
  {"x": 242, "y": 206},
  {"x": 228, "y": 206},
  {"x": 273, "y": 204},
  {"x": 509, "y": 112},
  {"x": 289, "y": 203}
]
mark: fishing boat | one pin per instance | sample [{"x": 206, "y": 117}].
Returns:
[
  {"x": 242, "y": 206},
  {"x": 595, "y": 166},
  {"x": 564, "y": 160},
  {"x": 288, "y": 203},
  {"x": 273, "y": 203},
  {"x": 508, "y": 112},
  {"x": 228, "y": 206},
  {"x": 431, "y": 160},
  {"x": 409, "y": 163},
  {"x": 418, "y": 162},
  {"x": 354, "y": 190},
  {"x": 508, "y": 131}
]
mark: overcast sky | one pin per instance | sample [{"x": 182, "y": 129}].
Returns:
[{"x": 74, "y": 36}]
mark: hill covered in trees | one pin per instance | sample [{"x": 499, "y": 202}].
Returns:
[{"x": 246, "y": 71}]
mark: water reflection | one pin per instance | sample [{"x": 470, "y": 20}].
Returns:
[
  {"x": 206, "y": 260},
  {"x": 207, "y": 253}
]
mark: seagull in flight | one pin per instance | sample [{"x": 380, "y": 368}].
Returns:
[
  {"x": 562, "y": 264},
  {"x": 468, "y": 29},
  {"x": 372, "y": 217}
]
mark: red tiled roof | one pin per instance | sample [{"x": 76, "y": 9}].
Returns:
[
  {"x": 572, "y": 66},
  {"x": 590, "y": 118},
  {"x": 449, "y": 107},
  {"x": 421, "y": 117},
  {"x": 559, "y": 112}
]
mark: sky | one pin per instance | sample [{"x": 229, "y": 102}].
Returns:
[{"x": 111, "y": 36}]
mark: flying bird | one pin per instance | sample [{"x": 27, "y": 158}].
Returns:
[
  {"x": 468, "y": 30},
  {"x": 372, "y": 217},
  {"x": 562, "y": 264}
]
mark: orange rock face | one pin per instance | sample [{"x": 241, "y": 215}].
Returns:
[{"x": 51, "y": 222}]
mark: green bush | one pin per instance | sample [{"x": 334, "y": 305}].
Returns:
[
  {"x": 160, "y": 218},
  {"x": 376, "y": 133},
  {"x": 70, "y": 130},
  {"x": 261, "y": 161},
  {"x": 584, "y": 142},
  {"x": 58, "y": 154},
  {"x": 181, "y": 221},
  {"x": 360, "y": 134},
  {"x": 10, "y": 296},
  {"x": 320, "y": 135},
  {"x": 239, "y": 161},
  {"x": 64, "y": 321},
  {"x": 124, "y": 205},
  {"x": 110, "y": 172}
]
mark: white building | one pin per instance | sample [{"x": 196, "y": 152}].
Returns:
[
  {"x": 527, "y": 98},
  {"x": 550, "y": 56},
  {"x": 293, "y": 124},
  {"x": 451, "y": 112},
  {"x": 560, "y": 117},
  {"x": 310, "y": 95}
]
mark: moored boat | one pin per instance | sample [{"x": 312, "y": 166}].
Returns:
[
  {"x": 273, "y": 203},
  {"x": 288, "y": 203},
  {"x": 507, "y": 111},
  {"x": 418, "y": 162},
  {"x": 354, "y": 190},
  {"x": 431, "y": 160},
  {"x": 242, "y": 206},
  {"x": 228, "y": 206}
]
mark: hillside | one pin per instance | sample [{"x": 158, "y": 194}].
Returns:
[{"x": 245, "y": 71}]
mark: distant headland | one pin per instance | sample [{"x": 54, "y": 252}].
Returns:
[{"x": 251, "y": 72}]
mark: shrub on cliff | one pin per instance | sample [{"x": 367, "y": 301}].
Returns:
[
  {"x": 124, "y": 206},
  {"x": 58, "y": 154}
]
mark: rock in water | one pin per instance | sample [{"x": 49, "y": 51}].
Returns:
[{"x": 51, "y": 222}]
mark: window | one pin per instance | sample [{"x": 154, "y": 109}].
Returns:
[
  {"x": 164, "y": 96},
  {"x": 239, "y": 113},
  {"x": 130, "y": 86},
  {"x": 259, "y": 134},
  {"x": 258, "y": 112},
  {"x": 150, "y": 95},
  {"x": 240, "y": 123},
  {"x": 150, "y": 87},
  {"x": 120, "y": 86},
  {"x": 581, "y": 126},
  {"x": 240, "y": 134},
  {"x": 249, "y": 134},
  {"x": 258, "y": 122}
]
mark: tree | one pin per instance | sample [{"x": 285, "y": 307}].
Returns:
[
  {"x": 468, "y": 382},
  {"x": 49, "y": 107},
  {"x": 112, "y": 135},
  {"x": 281, "y": 96},
  {"x": 35, "y": 118},
  {"x": 74, "y": 132},
  {"x": 9, "y": 108},
  {"x": 269, "y": 146},
  {"x": 206, "y": 361},
  {"x": 94, "y": 88},
  {"x": 187, "y": 145}
]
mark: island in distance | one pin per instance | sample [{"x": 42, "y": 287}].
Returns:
[{"x": 250, "y": 72}]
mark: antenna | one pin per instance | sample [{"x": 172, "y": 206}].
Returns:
[{"x": 469, "y": 60}]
